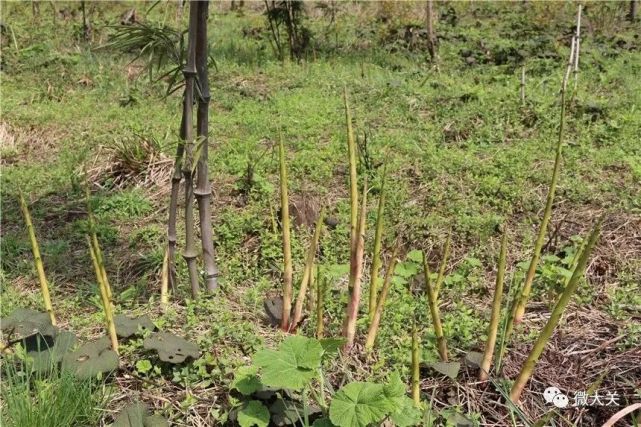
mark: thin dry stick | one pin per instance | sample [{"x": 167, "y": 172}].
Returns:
[
  {"x": 355, "y": 275},
  {"x": 434, "y": 311},
  {"x": 380, "y": 305},
  {"x": 529, "y": 278},
  {"x": 189, "y": 253},
  {"x": 577, "y": 49},
  {"x": 528, "y": 366},
  {"x": 493, "y": 327},
  {"x": 164, "y": 282},
  {"x": 35, "y": 249},
  {"x": 106, "y": 303},
  {"x": 416, "y": 360},
  {"x": 611, "y": 422},
  {"x": 307, "y": 273},
  {"x": 441, "y": 268},
  {"x": 376, "y": 256},
  {"x": 203, "y": 189},
  {"x": 287, "y": 248}
]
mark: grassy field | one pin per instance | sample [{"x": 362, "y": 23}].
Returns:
[{"x": 464, "y": 157}]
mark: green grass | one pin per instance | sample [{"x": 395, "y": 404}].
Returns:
[
  {"x": 462, "y": 154},
  {"x": 55, "y": 400}
]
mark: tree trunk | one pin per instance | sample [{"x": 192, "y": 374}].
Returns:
[
  {"x": 632, "y": 15},
  {"x": 203, "y": 189}
]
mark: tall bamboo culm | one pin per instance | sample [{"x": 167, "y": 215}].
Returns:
[
  {"x": 376, "y": 256},
  {"x": 493, "y": 327},
  {"x": 190, "y": 73},
  {"x": 203, "y": 189},
  {"x": 287, "y": 247},
  {"x": 37, "y": 259},
  {"x": 538, "y": 245},
  {"x": 528, "y": 366}
]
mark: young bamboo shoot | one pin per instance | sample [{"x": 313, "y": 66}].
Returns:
[
  {"x": 35, "y": 249},
  {"x": 434, "y": 312},
  {"x": 307, "y": 273},
  {"x": 519, "y": 309},
  {"x": 380, "y": 305},
  {"x": 164, "y": 282},
  {"x": 287, "y": 248},
  {"x": 376, "y": 256},
  {"x": 528, "y": 366},
  {"x": 355, "y": 275},
  {"x": 106, "y": 303},
  {"x": 441, "y": 269},
  {"x": 493, "y": 327},
  {"x": 416, "y": 360}
]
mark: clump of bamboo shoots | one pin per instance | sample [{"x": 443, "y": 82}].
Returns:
[
  {"x": 528, "y": 366},
  {"x": 355, "y": 274},
  {"x": 493, "y": 327},
  {"x": 99, "y": 268},
  {"x": 434, "y": 312},
  {"x": 416, "y": 360},
  {"x": 307, "y": 272},
  {"x": 538, "y": 245},
  {"x": 380, "y": 305},
  {"x": 287, "y": 248},
  {"x": 376, "y": 256},
  {"x": 35, "y": 249},
  {"x": 442, "y": 266}
]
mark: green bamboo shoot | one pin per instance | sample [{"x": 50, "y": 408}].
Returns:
[
  {"x": 307, "y": 273},
  {"x": 287, "y": 248},
  {"x": 434, "y": 312},
  {"x": 106, "y": 303},
  {"x": 35, "y": 249},
  {"x": 528, "y": 366},
  {"x": 493, "y": 327},
  {"x": 355, "y": 275},
  {"x": 380, "y": 305},
  {"x": 538, "y": 245},
  {"x": 164, "y": 282},
  {"x": 376, "y": 256},
  {"x": 416, "y": 360},
  {"x": 441, "y": 269}
]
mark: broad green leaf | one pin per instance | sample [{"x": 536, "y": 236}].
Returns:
[
  {"x": 473, "y": 359},
  {"x": 308, "y": 351},
  {"x": 331, "y": 345},
  {"x": 293, "y": 365},
  {"x": 406, "y": 269},
  {"x": 394, "y": 391},
  {"x": 252, "y": 414},
  {"x": 359, "y": 404},
  {"x": 407, "y": 415},
  {"x": 246, "y": 380}
]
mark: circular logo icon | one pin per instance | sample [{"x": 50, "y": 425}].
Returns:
[
  {"x": 549, "y": 394},
  {"x": 560, "y": 400}
]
